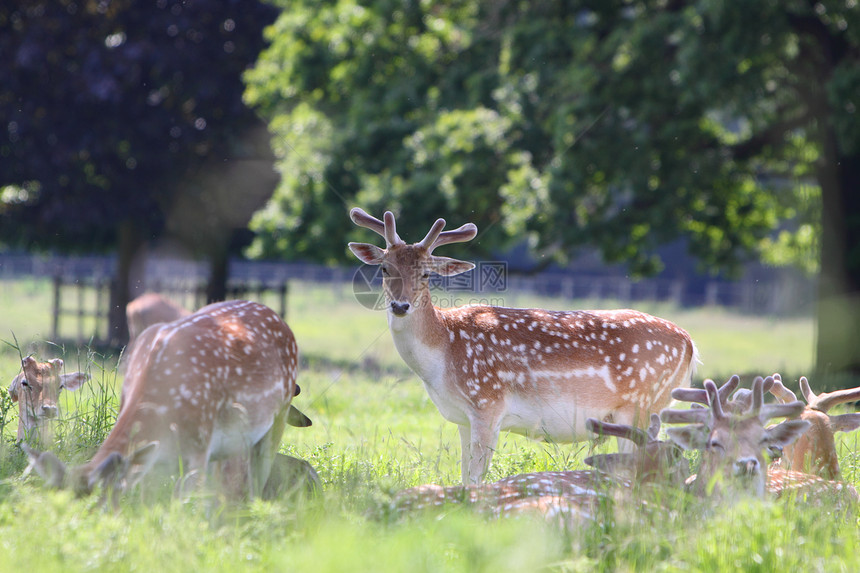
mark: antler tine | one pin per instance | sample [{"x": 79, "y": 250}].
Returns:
[
  {"x": 391, "y": 236},
  {"x": 825, "y": 401},
  {"x": 701, "y": 396},
  {"x": 432, "y": 235},
  {"x": 782, "y": 393},
  {"x": 635, "y": 435},
  {"x": 807, "y": 392},
  {"x": 461, "y": 234},
  {"x": 790, "y": 410},
  {"x": 758, "y": 394},
  {"x": 691, "y": 416},
  {"x": 714, "y": 400},
  {"x": 360, "y": 217}
]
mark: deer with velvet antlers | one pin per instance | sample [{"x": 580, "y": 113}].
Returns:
[
  {"x": 732, "y": 435},
  {"x": 534, "y": 372},
  {"x": 567, "y": 495},
  {"x": 815, "y": 451}
]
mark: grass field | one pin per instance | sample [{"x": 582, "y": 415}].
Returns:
[{"x": 375, "y": 432}]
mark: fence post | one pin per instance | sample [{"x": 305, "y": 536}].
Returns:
[
  {"x": 284, "y": 291},
  {"x": 55, "y": 319}
]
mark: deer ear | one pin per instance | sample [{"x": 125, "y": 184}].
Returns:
[
  {"x": 297, "y": 419},
  {"x": 366, "y": 253},
  {"x": 784, "y": 433},
  {"x": 449, "y": 267},
  {"x": 144, "y": 455},
  {"x": 13, "y": 388},
  {"x": 845, "y": 422},
  {"x": 47, "y": 465},
  {"x": 689, "y": 437},
  {"x": 619, "y": 464},
  {"x": 73, "y": 381}
]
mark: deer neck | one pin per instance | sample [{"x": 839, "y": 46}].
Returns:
[{"x": 420, "y": 339}]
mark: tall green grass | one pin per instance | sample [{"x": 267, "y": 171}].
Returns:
[{"x": 376, "y": 432}]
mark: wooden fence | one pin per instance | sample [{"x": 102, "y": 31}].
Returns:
[{"x": 85, "y": 303}]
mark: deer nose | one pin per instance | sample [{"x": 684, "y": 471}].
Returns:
[
  {"x": 399, "y": 308},
  {"x": 746, "y": 467},
  {"x": 49, "y": 411}
]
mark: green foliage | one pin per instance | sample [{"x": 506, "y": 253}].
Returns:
[{"x": 565, "y": 123}]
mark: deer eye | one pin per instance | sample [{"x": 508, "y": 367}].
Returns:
[
  {"x": 774, "y": 452},
  {"x": 385, "y": 271},
  {"x": 715, "y": 445},
  {"x": 24, "y": 383},
  {"x": 426, "y": 275}
]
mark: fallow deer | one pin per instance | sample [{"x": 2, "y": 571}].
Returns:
[
  {"x": 215, "y": 385},
  {"x": 534, "y": 372},
  {"x": 815, "y": 451},
  {"x": 144, "y": 311},
  {"x": 36, "y": 389},
  {"x": 732, "y": 439},
  {"x": 567, "y": 495}
]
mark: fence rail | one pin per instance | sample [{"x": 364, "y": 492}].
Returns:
[{"x": 82, "y": 287}]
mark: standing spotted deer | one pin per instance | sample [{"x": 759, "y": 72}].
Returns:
[
  {"x": 36, "y": 390},
  {"x": 535, "y": 372},
  {"x": 215, "y": 385}
]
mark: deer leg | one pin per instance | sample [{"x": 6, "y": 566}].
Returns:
[
  {"x": 465, "y": 452},
  {"x": 263, "y": 453},
  {"x": 482, "y": 443}
]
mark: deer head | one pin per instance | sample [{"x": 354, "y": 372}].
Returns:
[
  {"x": 653, "y": 460},
  {"x": 406, "y": 269},
  {"x": 36, "y": 390},
  {"x": 733, "y": 443}
]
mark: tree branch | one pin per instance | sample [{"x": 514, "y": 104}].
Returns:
[{"x": 772, "y": 135}]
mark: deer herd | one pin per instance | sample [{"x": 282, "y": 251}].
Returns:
[{"x": 206, "y": 397}]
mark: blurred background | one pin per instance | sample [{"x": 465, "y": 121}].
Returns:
[{"x": 699, "y": 154}]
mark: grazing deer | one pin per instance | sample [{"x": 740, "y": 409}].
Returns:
[
  {"x": 815, "y": 451},
  {"x": 36, "y": 390},
  {"x": 215, "y": 385},
  {"x": 535, "y": 372},
  {"x": 733, "y": 439}
]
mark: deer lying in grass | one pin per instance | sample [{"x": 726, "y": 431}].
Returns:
[
  {"x": 732, "y": 436},
  {"x": 215, "y": 385},
  {"x": 815, "y": 451},
  {"x": 566, "y": 495},
  {"x": 36, "y": 389},
  {"x": 535, "y": 372}
]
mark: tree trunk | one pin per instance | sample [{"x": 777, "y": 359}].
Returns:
[
  {"x": 838, "y": 328},
  {"x": 219, "y": 272},
  {"x": 129, "y": 242}
]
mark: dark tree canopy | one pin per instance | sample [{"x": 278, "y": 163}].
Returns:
[
  {"x": 107, "y": 103},
  {"x": 616, "y": 124},
  {"x": 110, "y": 107}
]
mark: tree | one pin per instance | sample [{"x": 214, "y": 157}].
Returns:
[
  {"x": 113, "y": 113},
  {"x": 621, "y": 125}
]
